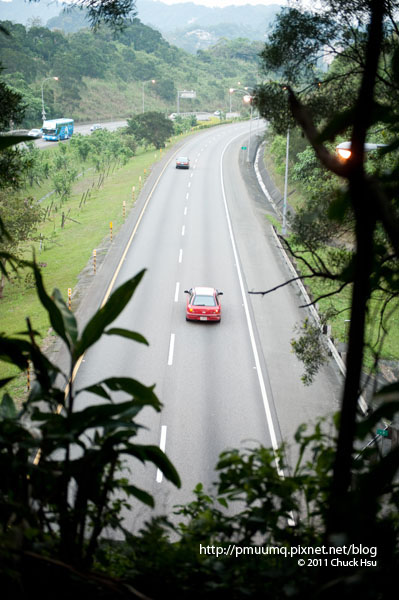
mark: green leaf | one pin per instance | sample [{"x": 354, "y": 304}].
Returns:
[
  {"x": 91, "y": 417},
  {"x": 11, "y": 140},
  {"x": 7, "y": 407},
  {"x": 4, "y": 382},
  {"x": 223, "y": 502},
  {"x": 140, "y": 495},
  {"x": 97, "y": 389},
  {"x": 157, "y": 457},
  {"x": 108, "y": 313},
  {"x": 132, "y": 335},
  {"x": 142, "y": 394},
  {"x": 15, "y": 351},
  {"x": 388, "y": 392},
  {"x": 70, "y": 324},
  {"x": 54, "y": 312}
]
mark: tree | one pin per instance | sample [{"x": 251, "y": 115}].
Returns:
[
  {"x": 166, "y": 89},
  {"x": 151, "y": 128},
  {"x": 370, "y": 55},
  {"x": 19, "y": 216}
]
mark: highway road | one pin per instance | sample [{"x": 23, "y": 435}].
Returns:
[
  {"x": 230, "y": 384},
  {"x": 84, "y": 130}
]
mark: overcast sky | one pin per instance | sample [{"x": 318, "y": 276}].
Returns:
[{"x": 222, "y": 3}]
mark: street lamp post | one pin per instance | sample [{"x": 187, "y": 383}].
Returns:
[
  {"x": 43, "y": 111},
  {"x": 231, "y": 92},
  {"x": 344, "y": 148},
  {"x": 144, "y": 82},
  {"x": 284, "y": 227},
  {"x": 248, "y": 98}
]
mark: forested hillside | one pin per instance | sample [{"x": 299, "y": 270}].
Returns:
[{"x": 101, "y": 74}]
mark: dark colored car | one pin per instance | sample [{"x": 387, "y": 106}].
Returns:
[{"x": 183, "y": 162}]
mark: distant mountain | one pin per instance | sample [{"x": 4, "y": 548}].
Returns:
[
  {"x": 19, "y": 11},
  {"x": 187, "y": 25},
  {"x": 166, "y": 17},
  {"x": 195, "y": 27}
]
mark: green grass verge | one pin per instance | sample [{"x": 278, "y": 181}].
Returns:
[
  {"x": 66, "y": 251},
  {"x": 340, "y": 303}
]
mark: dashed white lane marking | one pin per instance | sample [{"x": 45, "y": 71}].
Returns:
[
  {"x": 171, "y": 349},
  {"x": 187, "y": 196},
  {"x": 189, "y": 184},
  {"x": 185, "y": 210},
  {"x": 183, "y": 229},
  {"x": 181, "y": 255},
  {"x": 162, "y": 445},
  {"x": 177, "y": 291}
]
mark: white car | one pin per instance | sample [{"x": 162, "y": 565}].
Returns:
[
  {"x": 35, "y": 133},
  {"x": 95, "y": 127}
]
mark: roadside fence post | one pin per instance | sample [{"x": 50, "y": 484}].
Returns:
[{"x": 28, "y": 376}]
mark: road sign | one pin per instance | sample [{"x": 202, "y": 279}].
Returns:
[
  {"x": 188, "y": 94},
  {"x": 383, "y": 432}
]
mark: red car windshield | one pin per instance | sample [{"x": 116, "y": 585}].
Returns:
[{"x": 204, "y": 301}]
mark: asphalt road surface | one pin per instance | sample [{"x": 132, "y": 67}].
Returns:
[{"x": 230, "y": 384}]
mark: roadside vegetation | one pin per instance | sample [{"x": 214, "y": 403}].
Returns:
[
  {"x": 105, "y": 75},
  {"x": 310, "y": 190}
]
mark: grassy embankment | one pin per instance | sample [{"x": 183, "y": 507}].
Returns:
[{"x": 340, "y": 302}]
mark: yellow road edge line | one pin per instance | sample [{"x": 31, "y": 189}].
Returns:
[
  {"x": 118, "y": 268},
  {"x": 111, "y": 285}
]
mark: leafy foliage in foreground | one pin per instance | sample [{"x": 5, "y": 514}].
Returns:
[{"x": 61, "y": 465}]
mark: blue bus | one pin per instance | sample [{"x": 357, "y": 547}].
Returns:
[{"x": 57, "y": 129}]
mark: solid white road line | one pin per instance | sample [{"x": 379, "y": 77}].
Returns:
[
  {"x": 265, "y": 399},
  {"x": 162, "y": 445},
  {"x": 171, "y": 349},
  {"x": 177, "y": 291}
]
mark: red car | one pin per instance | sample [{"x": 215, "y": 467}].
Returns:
[{"x": 203, "y": 304}]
